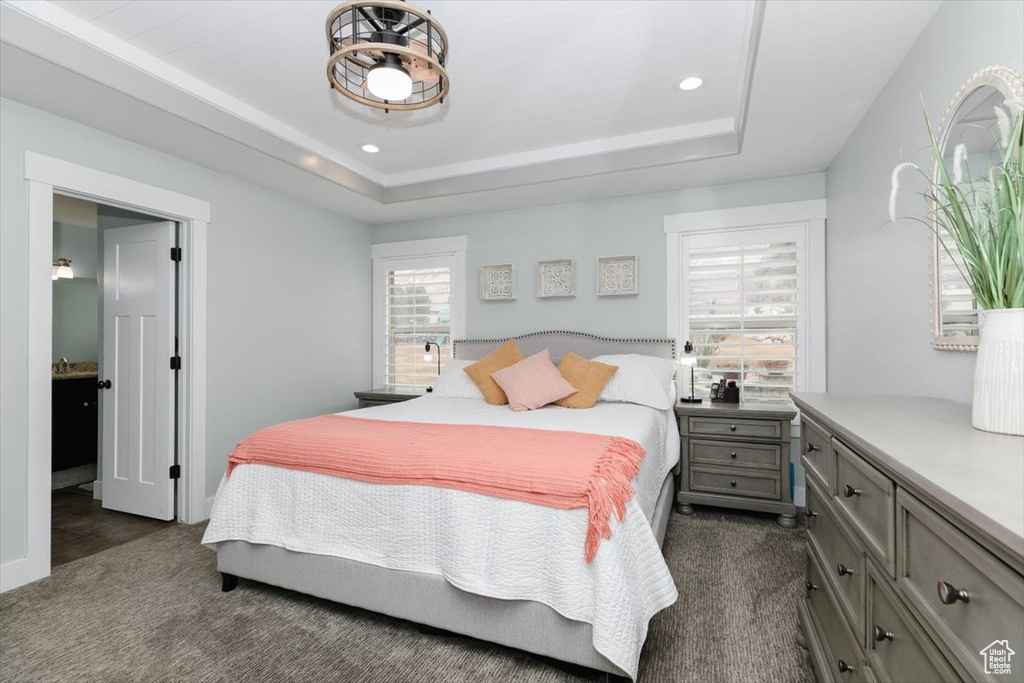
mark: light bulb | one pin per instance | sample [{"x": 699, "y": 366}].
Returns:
[
  {"x": 389, "y": 81},
  {"x": 428, "y": 357}
]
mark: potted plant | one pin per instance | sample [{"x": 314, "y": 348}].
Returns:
[{"x": 984, "y": 219}]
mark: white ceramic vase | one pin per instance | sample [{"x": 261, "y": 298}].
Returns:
[{"x": 999, "y": 373}]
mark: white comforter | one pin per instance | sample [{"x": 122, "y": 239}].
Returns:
[{"x": 489, "y": 546}]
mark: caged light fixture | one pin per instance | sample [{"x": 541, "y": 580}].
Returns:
[{"x": 387, "y": 54}]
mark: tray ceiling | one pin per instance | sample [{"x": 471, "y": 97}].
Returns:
[{"x": 542, "y": 92}]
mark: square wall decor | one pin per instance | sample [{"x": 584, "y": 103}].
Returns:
[
  {"x": 498, "y": 282},
  {"x": 556, "y": 278},
  {"x": 617, "y": 275}
]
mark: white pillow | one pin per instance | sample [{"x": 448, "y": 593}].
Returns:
[
  {"x": 640, "y": 379},
  {"x": 455, "y": 383}
]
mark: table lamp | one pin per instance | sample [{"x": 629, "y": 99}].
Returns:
[{"x": 689, "y": 359}]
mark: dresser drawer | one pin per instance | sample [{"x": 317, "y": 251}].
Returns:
[
  {"x": 935, "y": 560},
  {"x": 867, "y": 499},
  {"x": 735, "y": 482},
  {"x": 717, "y": 426},
  {"x": 842, "y": 655},
  {"x": 896, "y": 646},
  {"x": 816, "y": 446},
  {"x": 763, "y": 456},
  {"x": 841, "y": 559}
]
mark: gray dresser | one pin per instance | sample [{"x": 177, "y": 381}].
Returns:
[
  {"x": 736, "y": 455},
  {"x": 915, "y": 542}
]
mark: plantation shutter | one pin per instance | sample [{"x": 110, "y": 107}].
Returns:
[
  {"x": 417, "y": 310},
  {"x": 743, "y": 305},
  {"x": 958, "y": 311}
]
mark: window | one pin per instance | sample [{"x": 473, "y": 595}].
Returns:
[
  {"x": 750, "y": 298},
  {"x": 418, "y": 298},
  {"x": 958, "y": 311}
]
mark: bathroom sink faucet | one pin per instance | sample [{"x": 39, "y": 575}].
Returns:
[{"x": 63, "y": 365}]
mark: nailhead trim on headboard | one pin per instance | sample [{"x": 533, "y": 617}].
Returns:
[{"x": 584, "y": 335}]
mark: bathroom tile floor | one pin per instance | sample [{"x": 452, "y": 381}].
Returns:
[{"x": 80, "y": 527}]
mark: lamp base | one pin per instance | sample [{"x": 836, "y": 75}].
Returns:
[{"x": 691, "y": 400}]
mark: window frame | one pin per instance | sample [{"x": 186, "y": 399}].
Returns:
[
  {"x": 430, "y": 252},
  {"x": 803, "y": 222}
]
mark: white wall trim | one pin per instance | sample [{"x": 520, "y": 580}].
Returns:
[
  {"x": 454, "y": 247},
  {"x": 747, "y": 217},
  {"x": 45, "y": 176},
  {"x": 809, "y": 218}
]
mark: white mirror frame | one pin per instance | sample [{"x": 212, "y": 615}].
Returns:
[{"x": 1009, "y": 83}]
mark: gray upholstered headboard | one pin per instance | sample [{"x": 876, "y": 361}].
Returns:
[{"x": 586, "y": 345}]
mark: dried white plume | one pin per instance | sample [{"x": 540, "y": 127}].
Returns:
[
  {"x": 896, "y": 186},
  {"x": 1003, "y": 121},
  {"x": 959, "y": 157}
]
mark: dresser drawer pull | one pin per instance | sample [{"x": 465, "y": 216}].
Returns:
[
  {"x": 732, "y": 428},
  {"x": 850, "y": 491},
  {"x": 811, "y": 586},
  {"x": 881, "y": 634},
  {"x": 732, "y": 483},
  {"x": 845, "y": 668},
  {"x": 948, "y": 593},
  {"x": 811, "y": 448},
  {"x": 733, "y": 455},
  {"x": 843, "y": 570}
]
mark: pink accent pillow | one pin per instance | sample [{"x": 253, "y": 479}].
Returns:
[{"x": 533, "y": 382}]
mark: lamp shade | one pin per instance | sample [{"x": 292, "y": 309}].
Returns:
[
  {"x": 389, "y": 82},
  {"x": 62, "y": 269},
  {"x": 688, "y": 361}
]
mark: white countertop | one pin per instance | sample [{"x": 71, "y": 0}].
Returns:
[{"x": 930, "y": 443}]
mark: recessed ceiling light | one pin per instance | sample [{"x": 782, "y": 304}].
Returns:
[
  {"x": 691, "y": 83},
  {"x": 370, "y": 148}
]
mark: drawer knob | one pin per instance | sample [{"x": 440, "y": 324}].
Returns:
[
  {"x": 845, "y": 668},
  {"x": 811, "y": 586},
  {"x": 948, "y": 593},
  {"x": 850, "y": 491},
  {"x": 811, "y": 513},
  {"x": 732, "y": 428},
  {"x": 811, "y": 448},
  {"x": 733, "y": 455},
  {"x": 881, "y": 634},
  {"x": 732, "y": 483},
  {"x": 843, "y": 570}
]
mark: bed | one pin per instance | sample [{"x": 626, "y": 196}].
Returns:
[{"x": 372, "y": 546}]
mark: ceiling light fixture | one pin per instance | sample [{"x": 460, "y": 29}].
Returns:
[
  {"x": 370, "y": 148},
  {"x": 691, "y": 83},
  {"x": 387, "y": 54}
]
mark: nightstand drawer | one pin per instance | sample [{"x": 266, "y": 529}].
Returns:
[
  {"x": 715, "y": 426},
  {"x": 816, "y": 446},
  {"x": 764, "y": 456},
  {"x": 963, "y": 593},
  {"x": 867, "y": 501},
  {"x": 735, "y": 482}
]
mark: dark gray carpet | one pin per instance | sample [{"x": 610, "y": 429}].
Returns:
[{"x": 151, "y": 610}]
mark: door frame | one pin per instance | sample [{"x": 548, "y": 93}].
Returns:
[{"x": 45, "y": 177}]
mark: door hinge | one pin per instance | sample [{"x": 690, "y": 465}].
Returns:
[
  {"x": 175, "y": 253},
  {"x": 175, "y": 472},
  {"x": 175, "y": 362}
]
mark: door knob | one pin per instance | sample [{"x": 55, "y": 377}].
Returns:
[{"x": 103, "y": 384}]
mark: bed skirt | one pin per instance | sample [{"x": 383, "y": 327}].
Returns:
[{"x": 429, "y": 599}]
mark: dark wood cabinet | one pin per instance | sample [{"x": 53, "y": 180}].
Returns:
[{"x": 75, "y": 424}]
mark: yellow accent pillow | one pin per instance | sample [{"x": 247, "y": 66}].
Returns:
[
  {"x": 587, "y": 376},
  {"x": 480, "y": 372}
]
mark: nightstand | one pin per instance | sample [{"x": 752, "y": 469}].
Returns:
[
  {"x": 736, "y": 455},
  {"x": 379, "y": 397}
]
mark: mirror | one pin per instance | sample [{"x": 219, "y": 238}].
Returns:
[{"x": 969, "y": 120}]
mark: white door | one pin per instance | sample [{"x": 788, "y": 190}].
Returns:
[{"x": 138, "y": 342}]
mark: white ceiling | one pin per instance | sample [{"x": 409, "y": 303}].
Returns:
[{"x": 550, "y": 100}]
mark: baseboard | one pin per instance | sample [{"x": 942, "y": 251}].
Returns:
[
  {"x": 209, "y": 507},
  {"x": 21, "y": 571}
]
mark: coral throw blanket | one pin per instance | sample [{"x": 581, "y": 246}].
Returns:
[{"x": 557, "y": 469}]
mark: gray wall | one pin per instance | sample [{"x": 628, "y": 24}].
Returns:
[
  {"x": 878, "y": 293},
  {"x": 584, "y": 231},
  {"x": 76, "y": 300},
  {"x": 288, "y": 297}
]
